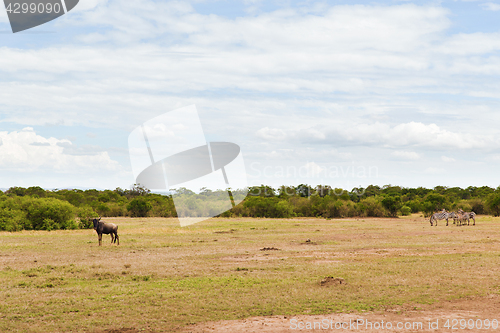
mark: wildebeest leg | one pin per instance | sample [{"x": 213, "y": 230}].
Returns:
[
  {"x": 100, "y": 239},
  {"x": 117, "y": 238},
  {"x": 112, "y": 238}
]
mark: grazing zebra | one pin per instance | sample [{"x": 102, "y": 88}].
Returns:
[
  {"x": 442, "y": 215},
  {"x": 463, "y": 216},
  {"x": 454, "y": 216},
  {"x": 470, "y": 215}
]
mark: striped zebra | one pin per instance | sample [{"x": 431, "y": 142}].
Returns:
[
  {"x": 468, "y": 216},
  {"x": 472, "y": 215},
  {"x": 462, "y": 217},
  {"x": 442, "y": 215},
  {"x": 454, "y": 216}
]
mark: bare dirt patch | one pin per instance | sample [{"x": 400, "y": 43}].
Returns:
[
  {"x": 124, "y": 330},
  {"x": 269, "y": 249},
  {"x": 331, "y": 281}
]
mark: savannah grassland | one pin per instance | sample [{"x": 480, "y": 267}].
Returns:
[{"x": 165, "y": 278}]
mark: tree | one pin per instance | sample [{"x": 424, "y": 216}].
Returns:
[
  {"x": 139, "y": 207},
  {"x": 286, "y": 191},
  {"x": 304, "y": 190},
  {"x": 372, "y": 190},
  {"x": 261, "y": 191},
  {"x": 323, "y": 190},
  {"x": 493, "y": 203},
  {"x": 392, "y": 204},
  {"x": 139, "y": 190}
]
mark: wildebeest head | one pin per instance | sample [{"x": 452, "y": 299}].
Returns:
[{"x": 96, "y": 222}]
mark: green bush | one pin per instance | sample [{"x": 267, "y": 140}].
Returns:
[
  {"x": 433, "y": 202},
  {"x": 12, "y": 220},
  {"x": 405, "y": 211},
  {"x": 139, "y": 207},
  {"x": 371, "y": 207},
  {"x": 84, "y": 214},
  {"x": 477, "y": 205},
  {"x": 49, "y": 225},
  {"x": 392, "y": 204},
  {"x": 493, "y": 203},
  {"x": 284, "y": 209},
  {"x": 39, "y": 212},
  {"x": 464, "y": 205}
]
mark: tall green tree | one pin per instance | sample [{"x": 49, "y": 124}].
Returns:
[{"x": 392, "y": 204}]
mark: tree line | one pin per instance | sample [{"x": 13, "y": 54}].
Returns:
[{"x": 35, "y": 208}]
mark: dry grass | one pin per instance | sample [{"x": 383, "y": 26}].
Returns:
[{"x": 163, "y": 277}]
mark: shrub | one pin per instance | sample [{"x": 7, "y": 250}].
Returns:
[
  {"x": 12, "y": 220},
  {"x": 477, "y": 206},
  {"x": 139, "y": 207},
  {"x": 61, "y": 213},
  {"x": 464, "y": 205},
  {"x": 371, "y": 207},
  {"x": 49, "y": 224},
  {"x": 433, "y": 202},
  {"x": 84, "y": 214},
  {"x": 405, "y": 211},
  {"x": 302, "y": 206},
  {"x": 392, "y": 204},
  {"x": 284, "y": 209},
  {"x": 493, "y": 203}
]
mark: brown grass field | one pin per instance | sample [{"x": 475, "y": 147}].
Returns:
[{"x": 244, "y": 275}]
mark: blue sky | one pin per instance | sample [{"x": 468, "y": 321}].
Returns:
[{"x": 344, "y": 93}]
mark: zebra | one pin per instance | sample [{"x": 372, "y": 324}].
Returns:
[
  {"x": 472, "y": 215},
  {"x": 442, "y": 215},
  {"x": 454, "y": 216},
  {"x": 461, "y": 217},
  {"x": 468, "y": 216}
]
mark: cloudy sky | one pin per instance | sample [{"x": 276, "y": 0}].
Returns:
[{"x": 344, "y": 93}]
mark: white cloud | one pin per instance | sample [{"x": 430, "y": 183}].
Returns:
[
  {"x": 407, "y": 155},
  {"x": 471, "y": 44},
  {"x": 3, "y": 16},
  {"x": 434, "y": 171},
  {"x": 414, "y": 134},
  {"x": 308, "y": 78},
  {"x": 27, "y": 151},
  {"x": 447, "y": 159},
  {"x": 88, "y": 5},
  {"x": 491, "y": 6},
  {"x": 313, "y": 169},
  {"x": 350, "y": 49},
  {"x": 273, "y": 134},
  {"x": 305, "y": 154}
]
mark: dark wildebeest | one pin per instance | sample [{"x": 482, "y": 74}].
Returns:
[{"x": 106, "y": 228}]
